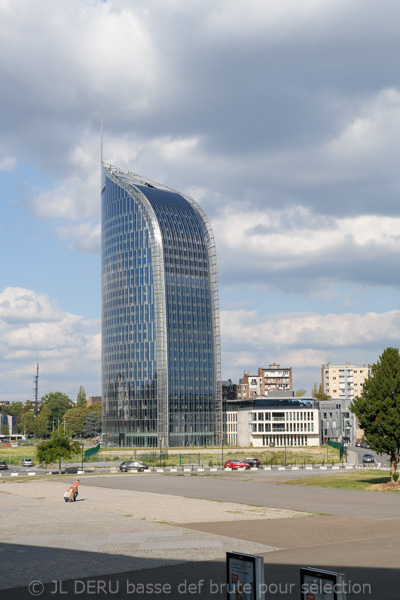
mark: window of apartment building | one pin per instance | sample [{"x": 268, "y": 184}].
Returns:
[
  {"x": 260, "y": 427},
  {"x": 254, "y": 426},
  {"x": 261, "y": 416},
  {"x": 334, "y": 378},
  {"x": 268, "y": 416}
]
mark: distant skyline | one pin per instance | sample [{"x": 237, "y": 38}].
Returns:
[{"x": 281, "y": 119}]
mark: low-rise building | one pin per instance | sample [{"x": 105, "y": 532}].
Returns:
[
  {"x": 277, "y": 419},
  {"x": 338, "y": 423}
]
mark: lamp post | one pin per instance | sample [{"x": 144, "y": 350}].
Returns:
[
  {"x": 160, "y": 451},
  {"x": 82, "y": 456},
  {"x": 222, "y": 443}
]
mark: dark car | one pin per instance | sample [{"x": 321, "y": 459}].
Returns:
[
  {"x": 236, "y": 464},
  {"x": 359, "y": 444},
  {"x": 3, "y": 465},
  {"x": 368, "y": 458},
  {"x": 131, "y": 465},
  {"x": 253, "y": 462}
]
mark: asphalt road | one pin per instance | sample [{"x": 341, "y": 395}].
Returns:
[{"x": 259, "y": 491}]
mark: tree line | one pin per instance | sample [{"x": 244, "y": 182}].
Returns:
[{"x": 57, "y": 413}]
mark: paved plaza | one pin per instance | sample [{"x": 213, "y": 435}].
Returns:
[{"x": 127, "y": 534}]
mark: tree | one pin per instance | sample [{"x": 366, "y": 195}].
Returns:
[
  {"x": 93, "y": 425},
  {"x": 95, "y": 407},
  {"x": 300, "y": 393},
  {"x": 378, "y": 407},
  {"x": 41, "y": 424},
  {"x": 81, "y": 398},
  {"x": 57, "y": 448},
  {"x": 58, "y": 404},
  {"x": 13, "y": 410},
  {"x": 318, "y": 393},
  {"x": 26, "y": 423},
  {"x": 5, "y": 430},
  {"x": 75, "y": 421}
]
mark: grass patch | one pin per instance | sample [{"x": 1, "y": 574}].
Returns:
[{"x": 347, "y": 481}]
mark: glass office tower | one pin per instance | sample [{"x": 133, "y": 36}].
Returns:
[{"x": 160, "y": 316}]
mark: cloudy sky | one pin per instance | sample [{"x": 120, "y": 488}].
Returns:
[{"x": 282, "y": 119}]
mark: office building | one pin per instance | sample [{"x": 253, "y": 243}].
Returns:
[
  {"x": 278, "y": 419},
  {"x": 161, "y": 382}
]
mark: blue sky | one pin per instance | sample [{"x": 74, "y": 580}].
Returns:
[{"x": 281, "y": 119}]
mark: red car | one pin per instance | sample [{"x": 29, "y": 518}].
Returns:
[{"x": 236, "y": 464}]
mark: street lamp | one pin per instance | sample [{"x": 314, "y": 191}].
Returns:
[
  {"x": 82, "y": 456},
  {"x": 222, "y": 443}
]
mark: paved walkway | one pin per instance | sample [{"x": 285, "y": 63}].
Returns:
[{"x": 109, "y": 530}]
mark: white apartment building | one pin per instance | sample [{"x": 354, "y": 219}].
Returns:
[
  {"x": 344, "y": 380},
  {"x": 281, "y": 420}
]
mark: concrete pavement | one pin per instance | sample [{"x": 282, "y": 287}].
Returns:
[{"x": 365, "y": 547}]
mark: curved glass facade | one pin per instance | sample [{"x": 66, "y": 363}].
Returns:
[{"x": 160, "y": 319}]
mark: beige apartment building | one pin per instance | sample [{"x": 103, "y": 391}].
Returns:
[{"x": 344, "y": 380}]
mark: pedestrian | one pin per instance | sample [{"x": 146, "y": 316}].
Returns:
[{"x": 75, "y": 486}]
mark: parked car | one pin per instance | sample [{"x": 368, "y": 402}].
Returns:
[
  {"x": 3, "y": 465},
  {"x": 6, "y": 444},
  {"x": 359, "y": 444},
  {"x": 236, "y": 464},
  {"x": 368, "y": 458},
  {"x": 363, "y": 445},
  {"x": 253, "y": 462},
  {"x": 129, "y": 465},
  {"x": 27, "y": 462}
]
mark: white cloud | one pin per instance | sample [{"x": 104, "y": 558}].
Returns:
[
  {"x": 7, "y": 163},
  {"x": 310, "y": 330},
  {"x": 303, "y": 341},
  {"x": 34, "y": 329},
  {"x": 85, "y": 237}
]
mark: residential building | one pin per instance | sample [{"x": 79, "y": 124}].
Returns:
[
  {"x": 278, "y": 419},
  {"x": 344, "y": 380},
  {"x": 161, "y": 382},
  {"x": 93, "y": 399},
  {"x": 272, "y": 378}
]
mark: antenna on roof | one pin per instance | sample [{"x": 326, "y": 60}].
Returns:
[{"x": 101, "y": 141}]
